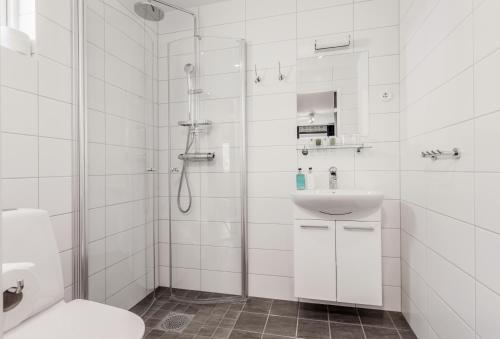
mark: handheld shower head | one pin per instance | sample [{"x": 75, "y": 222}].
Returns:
[{"x": 188, "y": 68}]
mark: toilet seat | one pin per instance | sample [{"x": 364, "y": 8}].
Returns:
[{"x": 80, "y": 319}]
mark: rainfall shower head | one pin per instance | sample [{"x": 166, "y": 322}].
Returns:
[
  {"x": 148, "y": 11},
  {"x": 188, "y": 68}
]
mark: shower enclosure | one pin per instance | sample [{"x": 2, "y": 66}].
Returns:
[
  {"x": 162, "y": 159},
  {"x": 205, "y": 177}
]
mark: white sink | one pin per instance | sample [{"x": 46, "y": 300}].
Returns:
[{"x": 339, "y": 201}]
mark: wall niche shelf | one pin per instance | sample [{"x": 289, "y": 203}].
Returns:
[{"x": 306, "y": 149}]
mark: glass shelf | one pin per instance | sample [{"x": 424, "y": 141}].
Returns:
[{"x": 306, "y": 149}]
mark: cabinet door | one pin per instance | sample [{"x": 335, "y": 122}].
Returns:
[
  {"x": 314, "y": 259},
  {"x": 359, "y": 262}
]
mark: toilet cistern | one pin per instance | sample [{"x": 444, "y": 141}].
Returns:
[{"x": 333, "y": 178}]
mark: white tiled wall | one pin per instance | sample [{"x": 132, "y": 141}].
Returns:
[
  {"x": 450, "y": 237},
  {"x": 37, "y": 140},
  {"x": 38, "y": 173},
  {"x": 36, "y": 129},
  {"x": 282, "y": 31}
]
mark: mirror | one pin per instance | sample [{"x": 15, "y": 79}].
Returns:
[{"x": 332, "y": 99}]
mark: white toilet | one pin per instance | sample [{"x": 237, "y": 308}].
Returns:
[{"x": 28, "y": 241}]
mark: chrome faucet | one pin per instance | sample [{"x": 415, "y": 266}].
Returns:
[{"x": 333, "y": 178}]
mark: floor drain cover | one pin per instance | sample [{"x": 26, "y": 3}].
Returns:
[{"x": 175, "y": 322}]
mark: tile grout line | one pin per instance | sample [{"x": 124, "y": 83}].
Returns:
[
  {"x": 267, "y": 319},
  {"x": 394, "y": 324},
  {"x": 297, "y": 322},
  {"x": 236, "y": 320},
  {"x": 218, "y": 324},
  {"x": 362, "y": 326},
  {"x": 328, "y": 319}
]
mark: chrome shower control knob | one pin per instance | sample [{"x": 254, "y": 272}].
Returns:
[{"x": 174, "y": 170}]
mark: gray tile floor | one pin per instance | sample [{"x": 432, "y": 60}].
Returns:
[{"x": 271, "y": 319}]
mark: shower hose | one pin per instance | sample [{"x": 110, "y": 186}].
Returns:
[{"x": 184, "y": 175}]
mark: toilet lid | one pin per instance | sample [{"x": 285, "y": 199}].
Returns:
[{"x": 80, "y": 319}]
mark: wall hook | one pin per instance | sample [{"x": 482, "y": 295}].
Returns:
[
  {"x": 439, "y": 154},
  {"x": 258, "y": 78},
  {"x": 281, "y": 76}
]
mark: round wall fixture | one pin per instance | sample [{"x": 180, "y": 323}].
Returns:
[{"x": 386, "y": 96}]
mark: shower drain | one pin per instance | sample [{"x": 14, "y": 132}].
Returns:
[{"x": 175, "y": 322}]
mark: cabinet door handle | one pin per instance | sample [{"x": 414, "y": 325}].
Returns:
[
  {"x": 317, "y": 227},
  {"x": 359, "y": 228},
  {"x": 347, "y": 213}
]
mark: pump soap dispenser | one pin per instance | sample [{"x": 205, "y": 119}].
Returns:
[{"x": 300, "y": 180}]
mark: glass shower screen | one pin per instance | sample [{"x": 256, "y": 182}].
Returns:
[
  {"x": 202, "y": 233},
  {"x": 120, "y": 76}
]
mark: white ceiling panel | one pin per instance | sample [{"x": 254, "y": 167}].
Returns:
[{"x": 192, "y": 3}]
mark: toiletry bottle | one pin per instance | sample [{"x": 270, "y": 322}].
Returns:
[
  {"x": 310, "y": 179},
  {"x": 300, "y": 180}
]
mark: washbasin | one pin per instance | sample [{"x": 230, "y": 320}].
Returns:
[{"x": 338, "y": 201}]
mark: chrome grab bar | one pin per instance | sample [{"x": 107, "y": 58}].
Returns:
[
  {"x": 317, "y": 227},
  {"x": 359, "y": 228}
]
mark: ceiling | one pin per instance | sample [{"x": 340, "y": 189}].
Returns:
[{"x": 191, "y": 3}]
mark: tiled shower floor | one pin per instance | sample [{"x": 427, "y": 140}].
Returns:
[{"x": 272, "y": 319}]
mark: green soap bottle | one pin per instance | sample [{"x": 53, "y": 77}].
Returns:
[{"x": 300, "y": 180}]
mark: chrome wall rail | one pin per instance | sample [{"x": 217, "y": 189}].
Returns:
[
  {"x": 195, "y": 17},
  {"x": 340, "y": 44},
  {"x": 438, "y": 154}
]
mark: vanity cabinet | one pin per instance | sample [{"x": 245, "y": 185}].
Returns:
[
  {"x": 339, "y": 260},
  {"x": 314, "y": 259},
  {"x": 359, "y": 262}
]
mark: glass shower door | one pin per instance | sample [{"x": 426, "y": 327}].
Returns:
[
  {"x": 120, "y": 58},
  {"x": 206, "y": 172}
]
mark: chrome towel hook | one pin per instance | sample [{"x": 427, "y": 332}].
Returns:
[
  {"x": 281, "y": 76},
  {"x": 258, "y": 78}
]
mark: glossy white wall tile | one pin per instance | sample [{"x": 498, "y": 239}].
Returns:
[
  {"x": 448, "y": 65},
  {"x": 282, "y": 31},
  {"x": 19, "y": 73},
  {"x": 331, "y": 20},
  {"x": 37, "y": 116},
  {"x": 263, "y": 8},
  {"x": 271, "y": 29},
  {"x": 19, "y": 111}
]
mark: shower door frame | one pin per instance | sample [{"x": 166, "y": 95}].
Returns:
[
  {"x": 80, "y": 156},
  {"x": 243, "y": 177}
]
